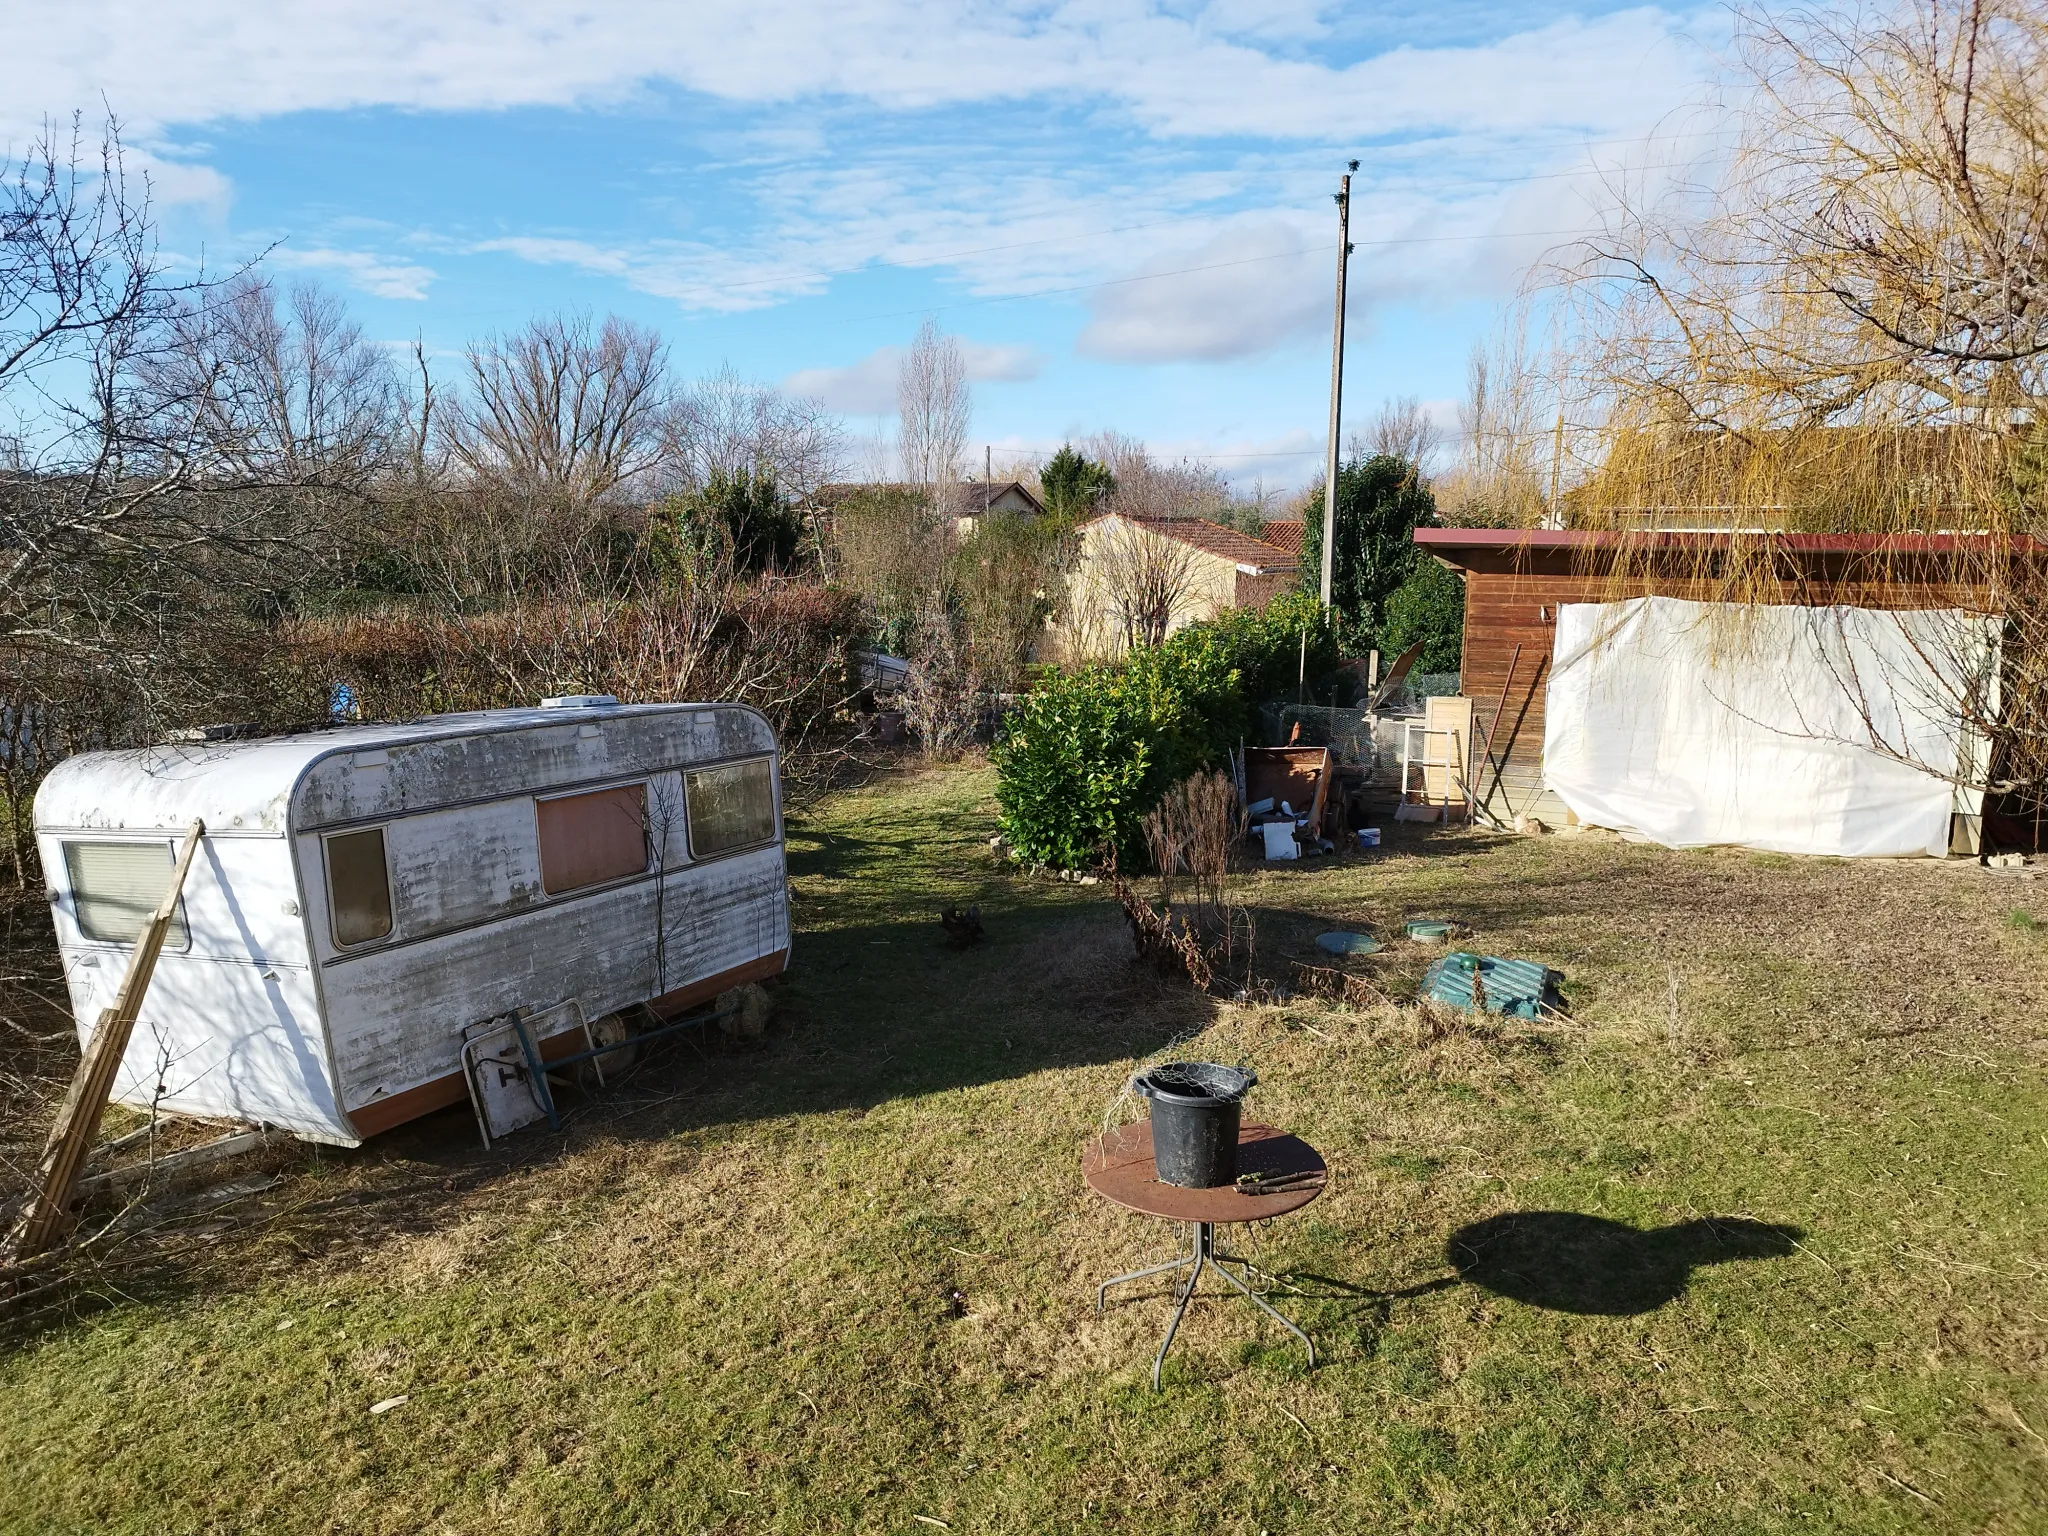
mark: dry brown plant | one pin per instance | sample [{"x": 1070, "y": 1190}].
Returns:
[
  {"x": 944, "y": 697},
  {"x": 1190, "y": 834}
]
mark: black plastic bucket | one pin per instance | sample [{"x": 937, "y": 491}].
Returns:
[{"x": 1195, "y": 1108}]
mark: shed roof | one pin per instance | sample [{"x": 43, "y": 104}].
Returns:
[{"x": 1555, "y": 552}]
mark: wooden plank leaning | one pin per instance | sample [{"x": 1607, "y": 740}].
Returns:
[
  {"x": 46, "y": 1217},
  {"x": 1500, "y": 765}
]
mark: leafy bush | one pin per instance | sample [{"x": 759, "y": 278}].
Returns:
[
  {"x": 742, "y": 519},
  {"x": 1429, "y": 606},
  {"x": 1073, "y": 485},
  {"x": 1089, "y": 752},
  {"x": 1381, "y": 501}
]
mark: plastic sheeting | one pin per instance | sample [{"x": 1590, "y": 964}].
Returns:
[{"x": 1801, "y": 730}]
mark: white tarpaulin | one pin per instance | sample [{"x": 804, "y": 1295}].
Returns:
[{"x": 1803, "y": 730}]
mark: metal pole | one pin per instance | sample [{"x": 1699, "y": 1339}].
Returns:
[{"x": 1336, "y": 389}]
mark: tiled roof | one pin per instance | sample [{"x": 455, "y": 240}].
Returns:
[
  {"x": 1215, "y": 539},
  {"x": 1284, "y": 533}
]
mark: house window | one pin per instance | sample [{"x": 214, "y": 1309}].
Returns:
[
  {"x": 358, "y": 887},
  {"x": 591, "y": 839},
  {"x": 115, "y": 887},
  {"x": 730, "y": 807}
]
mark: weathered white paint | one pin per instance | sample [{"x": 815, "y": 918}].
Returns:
[{"x": 261, "y": 1017}]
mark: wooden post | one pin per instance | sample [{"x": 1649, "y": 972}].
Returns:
[{"x": 45, "y": 1217}]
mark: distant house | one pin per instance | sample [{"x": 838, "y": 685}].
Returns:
[
  {"x": 973, "y": 499},
  {"x": 1139, "y": 579}
]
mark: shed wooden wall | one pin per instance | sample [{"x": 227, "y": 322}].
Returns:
[{"x": 1511, "y": 599}]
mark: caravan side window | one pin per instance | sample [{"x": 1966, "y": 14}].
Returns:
[
  {"x": 358, "y": 887},
  {"x": 730, "y": 807},
  {"x": 115, "y": 886},
  {"x": 592, "y": 838}
]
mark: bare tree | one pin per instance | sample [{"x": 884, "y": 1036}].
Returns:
[
  {"x": 131, "y": 542},
  {"x": 934, "y": 407},
  {"x": 1402, "y": 429},
  {"x": 725, "y": 426},
  {"x": 1496, "y": 479},
  {"x": 296, "y": 399},
  {"x": 1144, "y": 580},
  {"x": 1147, "y": 488},
  {"x": 1876, "y": 246},
  {"x": 563, "y": 413}
]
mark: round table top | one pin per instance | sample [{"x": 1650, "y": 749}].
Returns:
[{"x": 1119, "y": 1167}]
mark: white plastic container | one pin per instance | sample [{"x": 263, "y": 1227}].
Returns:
[{"x": 1280, "y": 843}]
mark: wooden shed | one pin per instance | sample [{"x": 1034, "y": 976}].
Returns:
[{"x": 1516, "y": 580}]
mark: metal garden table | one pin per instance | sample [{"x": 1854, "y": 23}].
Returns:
[{"x": 1119, "y": 1167}]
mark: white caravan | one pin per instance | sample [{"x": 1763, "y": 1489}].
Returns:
[{"x": 364, "y": 895}]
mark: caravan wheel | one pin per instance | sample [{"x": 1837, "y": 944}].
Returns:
[{"x": 612, "y": 1029}]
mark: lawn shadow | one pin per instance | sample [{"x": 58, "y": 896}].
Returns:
[
  {"x": 1565, "y": 1261},
  {"x": 869, "y": 1013}
]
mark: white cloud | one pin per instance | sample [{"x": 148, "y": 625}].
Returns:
[
  {"x": 991, "y": 363},
  {"x": 375, "y": 275},
  {"x": 1247, "y": 290},
  {"x": 180, "y": 182},
  {"x": 838, "y": 185},
  {"x": 868, "y": 387},
  {"x": 865, "y": 388},
  {"x": 208, "y": 60}
]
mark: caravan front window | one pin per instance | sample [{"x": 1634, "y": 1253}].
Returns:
[
  {"x": 358, "y": 887},
  {"x": 731, "y": 807},
  {"x": 115, "y": 886}
]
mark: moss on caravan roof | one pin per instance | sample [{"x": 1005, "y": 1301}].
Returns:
[{"x": 277, "y": 784}]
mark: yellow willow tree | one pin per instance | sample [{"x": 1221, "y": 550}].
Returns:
[{"x": 1839, "y": 324}]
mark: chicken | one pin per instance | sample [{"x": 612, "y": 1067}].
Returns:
[{"x": 963, "y": 929}]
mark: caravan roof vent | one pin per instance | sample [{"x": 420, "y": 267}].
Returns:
[{"x": 580, "y": 701}]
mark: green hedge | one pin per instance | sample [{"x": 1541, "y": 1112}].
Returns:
[{"x": 1088, "y": 752}]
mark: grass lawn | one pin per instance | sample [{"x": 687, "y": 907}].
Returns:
[{"x": 1793, "y": 1148}]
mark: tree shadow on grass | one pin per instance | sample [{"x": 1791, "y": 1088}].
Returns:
[
  {"x": 869, "y": 1013},
  {"x": 1565, "y": 1261}
]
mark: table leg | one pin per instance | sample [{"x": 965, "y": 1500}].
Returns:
[
  {"x": 1260, "y": 1302},
  {"x": 1203, "y": 1251},
  {"x": 1187, "y": 1294},
  {"x": 1137, "y": 1274}
]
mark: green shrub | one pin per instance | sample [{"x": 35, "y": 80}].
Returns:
[
  {"x": 1381, "y": 501},
  {"x": 1087, "y": 753},
  {"x": 1429, "y": 606},
  {"x": 1075, "y": 766}
]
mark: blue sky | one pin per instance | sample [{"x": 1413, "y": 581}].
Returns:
[{"x": 1122, "y": 209}]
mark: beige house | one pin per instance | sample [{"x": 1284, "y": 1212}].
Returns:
[{"x": 1139, "y": 579}]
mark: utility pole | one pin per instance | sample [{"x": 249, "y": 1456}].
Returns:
[{"x": 1336, "y": 388}]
